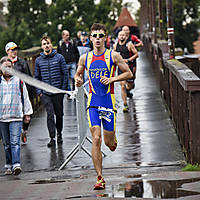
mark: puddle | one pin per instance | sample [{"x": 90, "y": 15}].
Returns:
[
  {"x": 85, "y": 196},
  {"x": 159, "y": 189},
  {"x": 48, "y": 181}
]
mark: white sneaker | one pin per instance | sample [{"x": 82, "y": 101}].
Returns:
[{"x": 8, "y": 171}]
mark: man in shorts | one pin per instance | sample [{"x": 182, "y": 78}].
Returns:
[
  {"x": 100, "y": 65},
  {"x": 129, "y": 54}
]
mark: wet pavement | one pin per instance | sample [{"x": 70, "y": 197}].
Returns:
[{"x": 146, "y": 164}]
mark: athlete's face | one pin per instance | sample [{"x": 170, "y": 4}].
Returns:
[
  {"x": 98, "y": 38},
  {"x": 121, "y": 36},
  {"x": 126, "y": 30}
]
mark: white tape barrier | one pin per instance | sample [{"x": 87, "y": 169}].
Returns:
[{"x": 36, "y": 83}]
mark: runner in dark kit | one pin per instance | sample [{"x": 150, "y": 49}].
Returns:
[{"x": 129, "y": 54}]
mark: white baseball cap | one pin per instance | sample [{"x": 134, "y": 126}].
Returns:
[{"x": 10, "y": 45}]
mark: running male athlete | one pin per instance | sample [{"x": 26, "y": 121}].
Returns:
[
  {"x": 100, "y": 66},
  {"x": 129, "y": 53}
]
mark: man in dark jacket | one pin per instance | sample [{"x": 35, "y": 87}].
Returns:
[
  {"x": 21, "y": 65},
  {"x": 50, "y": 67},
  {"x": 69, "y": 50}
]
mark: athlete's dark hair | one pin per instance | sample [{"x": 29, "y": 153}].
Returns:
[
  {"x": 98, "y": 26},
  {"x": 45, "y": 37}
]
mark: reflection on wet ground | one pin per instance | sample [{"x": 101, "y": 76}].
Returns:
[
  {"x": 48, "y": 181},
  {"x": 154, "y": 189},
  {"x": 159, "y": 189}
]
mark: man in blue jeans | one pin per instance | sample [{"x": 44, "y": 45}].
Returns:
[
  {"x": 14, "y": 105},
  {"x": 50, "y": 67}
]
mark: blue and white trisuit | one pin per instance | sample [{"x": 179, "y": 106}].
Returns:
[{"x": 101, "y": 101}]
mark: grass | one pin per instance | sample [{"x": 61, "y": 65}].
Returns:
[{"x": 190, "y": 167}]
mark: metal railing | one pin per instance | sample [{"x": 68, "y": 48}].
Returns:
[{"x": 180, "y": 88}]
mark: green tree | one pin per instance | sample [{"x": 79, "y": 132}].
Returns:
[
  {"x": 2, "y": 22},
  {"x": 60, "y": 17},
  {"x": 186, "y": 22},
  {"x": 107, "y": 12},
  {"x": 2, "y": 28},
  {"x": 26, "y": 22},
  {"x": 84, "y": 13}
]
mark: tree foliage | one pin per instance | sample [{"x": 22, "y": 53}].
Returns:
[
  {"x": 28, "y": 20},
  {"x": 107, "y": 12},
  {"x": 186, "y": 22}
]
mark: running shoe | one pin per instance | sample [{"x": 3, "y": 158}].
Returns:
[
  {"x": 129, "y": 94},
  {"x": 8, "y": 171},
  {"x": 101, "y": 184},
  {"x": 125, "y": 108},
  {"x": 23, "y": 136},
  {"x": 17, "y": 170},
  {"x": 115, "y": 145}
]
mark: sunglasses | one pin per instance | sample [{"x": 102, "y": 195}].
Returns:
[{"x": 99, "y": 35}]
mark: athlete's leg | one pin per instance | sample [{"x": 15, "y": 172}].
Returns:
[
  {"x": 131, "y": 82},
  {"x": 96, "y": 149},
  {"x": 109, "y": 130},
  {"x": 123, "y": 91},
  {"x": 95, "y": 129},
  {"x": 109, "y": 138},
  {"x": 130, "y": 85}
]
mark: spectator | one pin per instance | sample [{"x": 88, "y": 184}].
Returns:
[
  {"x": 14, "y": 106},
  {"x": 21, "y": 65},
  {"x": 51, "y": 68},
  {"x": 84, "y": 46},
  {"x": 69, "y": 50},
  {"x": 84, "y": 41}
]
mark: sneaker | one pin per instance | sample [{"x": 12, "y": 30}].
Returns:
[
  {"x": 51, "y": 143},
  {"x": 101, "y": 184},
  {"x": 59, "y": 139},
  {"x": 8, "y": 171},
  {"x": 129, "y": 94},
  {"x": 125, "y": 108},
  {"x": 23, "y": 136},
  {"x": 17, "y": 170},
  {"x": 115, "y": 145}
]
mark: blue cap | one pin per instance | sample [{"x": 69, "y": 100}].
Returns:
[{"x": 84, "y": 33}]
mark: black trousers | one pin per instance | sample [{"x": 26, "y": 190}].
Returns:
[{"x": 54, "y": 107}]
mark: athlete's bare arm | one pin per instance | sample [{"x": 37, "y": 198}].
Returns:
[
  {"x": 139, "y": 44},
  {"x": 78, "y": 77},
  {"x": 127, "y": 74},
  {"x": 132, "y": 49},
  {"x": 115, "y": 46}
]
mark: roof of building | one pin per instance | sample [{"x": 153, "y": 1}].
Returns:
[{"x": 125, "y": 19}]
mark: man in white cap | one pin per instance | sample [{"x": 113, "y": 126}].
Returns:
[{"x": 21, "y": 65}]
